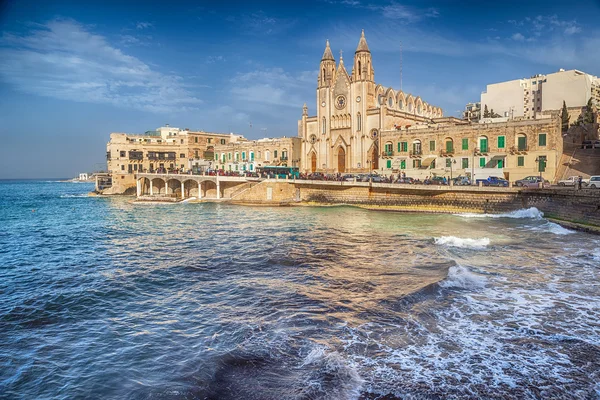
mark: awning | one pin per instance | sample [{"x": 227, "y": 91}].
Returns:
[{"x": 427, "y": 161}]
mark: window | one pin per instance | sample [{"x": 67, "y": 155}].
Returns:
[
  {"x": 267, "y": 155},
  {"x": 465, "y": 163},
  {"x": 416, "y": 163},
  {"x": 542, "y": 139},
  {"x": 482, "y": 162},
  {"x": 465, "y": 144},
  {"x": 388, "y": 148},
  {"x": 122, "y": 167},
  {"x": 522, "y": 143},
  {"x": 130, "y": 168},
  {"x": 358, "y": 122},
  {"x": 432, "y": 165},
  {"x": 432, "y": 145},
  {"x": 448, "y": 162},
  {"x": 122, "y": 154},
  {"x": 237, "y": 156},
  {"x": 210, "y": 140},
  {"x": 391, "y": 102},
  {"x": 324, "y": 126},
  {"x": 181, "y": 155},
  {"x": 542, "y": 163},
  {"x": 483, "y": 145},
  {"x": 181, "y": 141},
  {"x": 403, "y": 164},
  {"x": 196, "y": 139},
  {"x": 243, "y": 156},
  {"x": 389, "y": 164},
  {"x": 251, "y": 156},
  {"x": 500, "y": 142},
  {"x": 274, "y": 153},
  {"x": 404, "y": 146},
  {"x": 501, "y": 163},
  {"x": 196, "y": 154},
  {"x": 222, "y": 141},
  {"x": 229, "y": 156},
  {"x": 449, "y": 146}
]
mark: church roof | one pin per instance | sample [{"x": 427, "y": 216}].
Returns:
[
  {"x": 362, "y": 43},
  {"x": 328, "y": 55}
]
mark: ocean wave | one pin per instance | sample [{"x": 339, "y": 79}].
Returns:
[
  {"x": 557, "y": 229},
  {"x": 454, "y": 241},
  {"x": 69, "y": 196},
  {"x": 461, "y": 277},
  {"x": 532, "y": 213}
]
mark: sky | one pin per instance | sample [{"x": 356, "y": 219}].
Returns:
[{"x": 72, "y": 72}]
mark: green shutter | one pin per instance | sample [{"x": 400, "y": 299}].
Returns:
[
  {"x": 522, "y": 143},
  {"x": 432, "y": 145},
  {"x": 482, "y": 162},
  {"x": 520, "y": 161},
  {"x": 542, "y": 164},
  {"x": 465, "y": 163},
  {"x": 251, "y": 167},
  {"x": 449, "y": 147},
  {"x": 542, "y": 139},
  {"x": 465, "y": 144},
  {"x": 399, "y": 147},
  {"x": 403, "y": 164},
  {"x": 484, "y": 145},
  {"x": 500, "y": 142},
  {"x": 404, "y": 146},
  {"x": 389, "y": 163},
  {"x": 448, "y": 162},
  {"x": 500, "y": 163}
]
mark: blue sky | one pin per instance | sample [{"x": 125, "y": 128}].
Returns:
[{"x": 71, "y": 72}]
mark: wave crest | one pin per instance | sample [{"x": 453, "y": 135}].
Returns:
[
  {"x": 454, "y": 241},
  {"x": 461, "y": 277},
  {"x": 532, "y": 213}
]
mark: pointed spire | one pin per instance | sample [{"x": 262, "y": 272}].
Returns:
[
  {"x": 327, "y": 55},
  {"x": 362, "y": 43}
]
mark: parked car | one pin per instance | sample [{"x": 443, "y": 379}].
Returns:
[
  {"x": 462, "y": 181},
  {"x": 587, "y": 144},
  {"x": 438, "y": 180},
  {"x": 594, "y": 182},
  {"x": 406, "y": 179},
  {"x": 572, "y": 181},
  {"x": 532, "y": 181},
  {"x": 492, "y": 181},
  {"x": 316, "y": 176},
  {"x": 597, "y": 144},
  {"x": 348, "y": 178}
]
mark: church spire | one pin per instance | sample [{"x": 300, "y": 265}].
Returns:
[
  {"x": 327, "y": 54},
  {"x": 362, "y": 43}
]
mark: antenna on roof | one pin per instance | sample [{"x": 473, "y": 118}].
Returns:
[{"x": 401, "y": 65}]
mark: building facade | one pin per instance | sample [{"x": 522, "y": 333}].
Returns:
[
  {"x": 352, "y": 109},
  {"x": 165, "y": 149},
  {"x": 527, "y": 98},
  {"x": 510, "y": 150},
  {"x": 249, "y": 155}
]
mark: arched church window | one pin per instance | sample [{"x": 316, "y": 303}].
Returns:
[
  {"x": 312, "y": 139},
  {"x": 323, "y": 75},
  {"x": 267, "y": 155},
  {"x": 380, "y": 99},
  {"x": 400, "y": 104},
  {"x": 390, "y": 102},
  {"x": 359, "y": 70},
  {"x": 324, "y": 126},
  {"x": 358, "y": 122},
  {"x": 419, "y": 109},
  {"x": 374, "y": 134}
]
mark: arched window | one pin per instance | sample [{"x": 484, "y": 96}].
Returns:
[
  {"x": 380, "y": 99},
  {"x": 358, "y": 122},
  {"x": 419, "y": 108},
  {"x": 400, "y": 104},
  {"x": 324, "y": 126},
  {"x": 267, "y": 155},
  {"x": 410, "y": 107},
  {"x": 521, "y": 142},
  {"x": 359, "y": 70},
  {"x": 323, "y": 75},
  {"x": 390, "y": 102}
]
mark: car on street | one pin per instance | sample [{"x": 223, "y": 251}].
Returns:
[
  {"x": 462, "y": 181},
  {"x": 594, "y": 182},
  {"x": 587, "y": 144},
  {"x": 492, "y": 181},
  {"x": 531, "y": 181},
  {"x": 572, "y": 181},
  {"x": 597, "y": 144}
]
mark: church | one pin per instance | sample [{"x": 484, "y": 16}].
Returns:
[{"x": 352, "y": 110}]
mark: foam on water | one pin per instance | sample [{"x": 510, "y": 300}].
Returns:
[
  {"x": 461, "y": 277},
  {"x": 454, "y": 241},
  {"x": 532, "y": 213}
]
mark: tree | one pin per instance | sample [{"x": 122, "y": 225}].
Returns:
[
  {"x": 588, "y": 116},
  {"x": 486, "y": 113},
  {"x": 565, "y": 117},
  {"x": 493, "y": 114}
]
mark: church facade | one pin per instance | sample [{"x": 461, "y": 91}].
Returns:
[{"x": 352, "y": 110}]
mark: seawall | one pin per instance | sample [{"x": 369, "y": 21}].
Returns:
[{"x": 580, "y": 207}]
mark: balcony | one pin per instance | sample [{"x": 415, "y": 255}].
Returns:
[
  {"x": 208, "y": 155},
  {"x": 519, "y": 149},
  {"x": 283, "y": 158},
  {"x": 387, "y": 154},
  {"x": 481, "y": 150},
  {"x": 416, "y": 153},
  {"x": 447, "y": 152},
  {"x": 136, "y": 155}
]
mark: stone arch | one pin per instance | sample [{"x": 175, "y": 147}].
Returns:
[
  {"x": 144, "y": 186},
  {"x": 483, "y": 143},
  {"x": 173, "y": 187},
  {"x": 448, "y": 145},
  {"x": 425, "y": 109},
  {"x": 521, "y": 141},
  {"x": 390, "y": 98},
  {"x": 400, "y": 100},
  {"x": 410, "y": 104},
  {"x": 209, "y": 189},
  {"x": 417, "y": 148},
  {"x": 190, "y": 187},
  {"x": 158, "y": 186},
  {"x": 312, "y": 157}
]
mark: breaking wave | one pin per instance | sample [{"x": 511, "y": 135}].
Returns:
[
  {"x": 454, "y": 241},
  {"x": 532, "y": 213},
  {"x": 461, "y": 277},
  {"x": 69, "y": 196}
]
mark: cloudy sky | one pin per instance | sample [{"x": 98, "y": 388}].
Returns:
[{"x": 72, "y": 72}]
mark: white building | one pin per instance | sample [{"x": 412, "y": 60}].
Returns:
[{"x": 529, "y": 97}]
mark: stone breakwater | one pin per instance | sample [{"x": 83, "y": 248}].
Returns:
[{"x": 577, "y": 207}]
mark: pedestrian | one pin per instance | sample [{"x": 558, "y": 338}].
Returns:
[{"x": 579, "y": 182}]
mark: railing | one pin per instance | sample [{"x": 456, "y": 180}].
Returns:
[
  {"x": 481, "y": 150},
  {"x": 416, "y": 153},
  {"x": 283, "y": 158},
  {"x": 208, "y": 155},
  {"x": 136, "y": 155},
  {"x": 387, "y": 153},
  {"x": 446, "y": 153}
]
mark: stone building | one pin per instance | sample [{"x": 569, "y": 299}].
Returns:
[
  {"x": 351, "y": 111},
  {"x": 529, "y": 97},
  {"x": 167, "y": 148},
  {"x": 512, "y": 150},
  {"x": 248, "y": 155}
]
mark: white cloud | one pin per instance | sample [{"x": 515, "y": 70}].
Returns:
[
  {"x": 64, "y": 60},
  {"x": 572, "y": 30},
  {"x": 143, "y": 25},
  {"x": 518, "y": 37}
]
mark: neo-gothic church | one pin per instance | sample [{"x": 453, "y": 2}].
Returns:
[{"x": 351, "y": 112}]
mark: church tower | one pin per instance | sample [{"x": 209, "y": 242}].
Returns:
[
  {"x": 327, "y": 68},
  {"x": 363, "y": 67}
]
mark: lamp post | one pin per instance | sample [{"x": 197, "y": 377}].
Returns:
[{"x": 539, "y": 161}]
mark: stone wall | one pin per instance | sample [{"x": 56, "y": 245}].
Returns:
[
  {"x": 581, "y": 206},
  {"x": 268, "y": 192}
]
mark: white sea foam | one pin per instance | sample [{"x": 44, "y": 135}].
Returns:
[
  {"x": 454, "y": 241},
  {"x": 532, "y": 213},
  {"x": 461, "y": 277},
  {"x": 68, "y": 196},
  {"x": 557, "y": 229}
]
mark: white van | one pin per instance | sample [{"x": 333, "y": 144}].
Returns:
[{"x": 594, "y": 182}]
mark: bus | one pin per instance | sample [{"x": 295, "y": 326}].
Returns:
[{"x": 279, "y": 171}]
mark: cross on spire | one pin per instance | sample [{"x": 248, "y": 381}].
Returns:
[{"x": 341, "y": 53}]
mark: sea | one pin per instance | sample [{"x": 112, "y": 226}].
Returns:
[{"x": 103, "y": 298}]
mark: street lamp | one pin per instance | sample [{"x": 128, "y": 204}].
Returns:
[{"x": 540, "y": 160}]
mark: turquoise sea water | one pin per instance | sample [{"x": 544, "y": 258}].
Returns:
[{"x": 102, "y": 298}]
